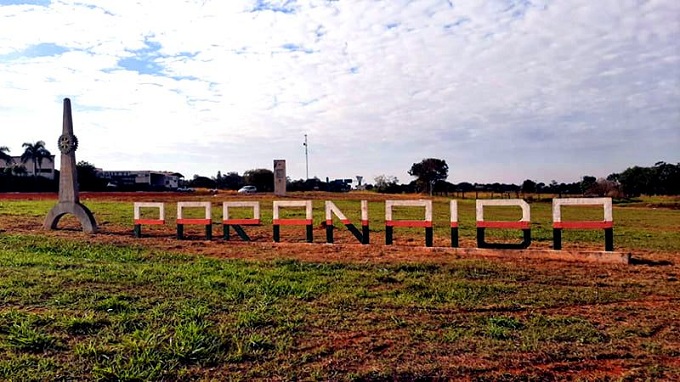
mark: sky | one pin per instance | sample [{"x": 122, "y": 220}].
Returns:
[{"x": 502, "y": 90}]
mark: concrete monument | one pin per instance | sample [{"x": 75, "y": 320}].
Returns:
[
  {"x": 280, "y": 179},
  {"x": 69, "y": 201}
]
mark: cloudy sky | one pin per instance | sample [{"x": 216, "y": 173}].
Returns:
[{"x": 503, "y": 90}]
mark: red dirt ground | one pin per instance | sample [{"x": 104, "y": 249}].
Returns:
[
  {"x": 293, "y": 245},
  {"x": 646, "y": 269}
]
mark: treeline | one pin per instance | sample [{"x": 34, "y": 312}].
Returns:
[
  {"x": 263, "y": 179},
  {"x": 661, "y": 179},
  {"x": 431, "y": 173}
]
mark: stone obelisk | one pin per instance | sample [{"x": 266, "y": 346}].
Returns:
[{"x": 69, "y": 201}]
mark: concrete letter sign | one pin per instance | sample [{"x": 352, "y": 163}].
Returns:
[{"x": 69, "y": 202}]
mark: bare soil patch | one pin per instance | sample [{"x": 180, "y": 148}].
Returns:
[{"x": 651, "y": 270}]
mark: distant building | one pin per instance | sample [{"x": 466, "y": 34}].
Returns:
[
  {"x": 46, "y": 168},
  {"x": 144, "y": 179}
]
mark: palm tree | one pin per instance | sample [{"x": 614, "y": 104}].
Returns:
[
  {"x": 4, "y": 156},
  {"x": 35, "y": 152}
]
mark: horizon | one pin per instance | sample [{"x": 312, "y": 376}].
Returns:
[{"x": 364, "y": 180}]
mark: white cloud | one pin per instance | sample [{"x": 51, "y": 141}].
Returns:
[{"x": 503, "y": 90}]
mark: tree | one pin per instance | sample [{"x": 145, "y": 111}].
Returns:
[
  {"x": 614, "y": 177},
  {"x": 465, "y": 187},
  {"x": 202, "y": 182},
  {"x": 261, "y": 178},
  {"x": 386, "y": 183},
  {"x": 35, "y": 152},
  {"x": 428, "y": 172},
  {"x": 4, "y": 156},
  {"x": 636, "y": 181},
  {"x": 587, "y": 182},
  {"x": 605, "y": 187},
  {"x": 528, "y": 186},
  {"x": 231, "y": 181},
  {"x": 444, "y": 188},
  {"x": 661, "y": 179},
  {"x": 88, "y": 178},
  {"x": 540, "y": 188},
  {"x": 666, "y": 178}
]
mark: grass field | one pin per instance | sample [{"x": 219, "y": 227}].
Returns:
[{"x": 110, "y": 307}]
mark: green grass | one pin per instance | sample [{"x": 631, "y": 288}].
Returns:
[
  {"x": 125, "y": 313},
  {"x": 75, "y": 309},
  {"x": 635, "y": 227},
  {"x": 34, "y": 208}
]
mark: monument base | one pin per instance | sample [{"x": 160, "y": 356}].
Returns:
[{"x": 81, "y": 212}]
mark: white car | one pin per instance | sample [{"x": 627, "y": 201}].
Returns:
[{"x": 247, "y": 190}]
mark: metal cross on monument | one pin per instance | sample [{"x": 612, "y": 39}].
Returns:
[{"x": 69, "y": 201}]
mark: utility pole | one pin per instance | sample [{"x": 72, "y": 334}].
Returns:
[{"x": 306, "y": 159}]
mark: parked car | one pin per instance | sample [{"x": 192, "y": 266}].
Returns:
[{"x": 247, "y": 190}]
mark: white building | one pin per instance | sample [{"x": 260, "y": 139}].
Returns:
[
  {"x": 151, "y": 179},
  {"x": 46, "y": 168}
]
